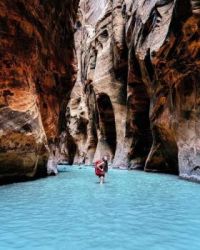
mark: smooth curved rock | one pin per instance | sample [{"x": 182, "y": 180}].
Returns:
[
  {"x": 144, "y": 57},
  {"x": 136, "y": 96},
  {"x": 37, "y": 73}
]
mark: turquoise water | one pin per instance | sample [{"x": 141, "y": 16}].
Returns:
[{"x": 132, "y": 211}]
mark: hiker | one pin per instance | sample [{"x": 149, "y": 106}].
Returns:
[{"x": 101, "y": 167}]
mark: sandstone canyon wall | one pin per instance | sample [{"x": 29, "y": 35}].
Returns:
[
  {"x": 136, "y": 92},
  {"x": 37, "y": 74},
  {"x": 136, "y": 98}
]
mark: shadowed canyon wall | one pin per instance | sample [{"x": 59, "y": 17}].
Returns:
[
  {"x": 136, "y": 98},
  {"x": 37, "y": 74}
]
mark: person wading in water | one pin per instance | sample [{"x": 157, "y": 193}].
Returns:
[{"x": 101, "y": 167}]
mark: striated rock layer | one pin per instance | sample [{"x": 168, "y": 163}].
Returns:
[
  {"x": 136, "y": 98},
  {"x": 37, "y": 74}
]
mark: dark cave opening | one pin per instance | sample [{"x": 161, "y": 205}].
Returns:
[
  {"x": 138, "y": 126},
  {"x": 107, "y": 121}
]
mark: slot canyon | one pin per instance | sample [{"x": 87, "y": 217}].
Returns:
[{"x": 84, "y": 79}]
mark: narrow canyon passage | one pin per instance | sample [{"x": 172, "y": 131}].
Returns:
[
  {"x": 88, "y": 88},
  {"x": 81, "y": 79},
  {"x": 107, "y": 125},
  {"x": 133, "y": 210}
]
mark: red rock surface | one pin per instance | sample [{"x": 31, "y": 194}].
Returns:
[
  {"x": 165, "y": 45},
  {"x": 136, "y": 97},
  {"x": 37, "y": 74}
]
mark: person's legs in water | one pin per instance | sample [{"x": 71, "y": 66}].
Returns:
[{"x": 101, "y": 179}]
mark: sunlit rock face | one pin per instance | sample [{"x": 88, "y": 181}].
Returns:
[
  {"x": 37, "y": 74},
  {"x": 138, "y": 79},
  {"x": 92, "y": 10},
  {"x": 112, "y": 121},
  {"x": 97, "y": 102}
]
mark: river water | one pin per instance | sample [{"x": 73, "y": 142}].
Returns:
[{"x": 131, "y": 211}]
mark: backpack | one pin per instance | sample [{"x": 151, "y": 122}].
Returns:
[{"x": 97, "y": 170}]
